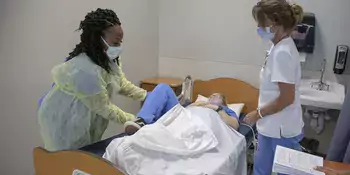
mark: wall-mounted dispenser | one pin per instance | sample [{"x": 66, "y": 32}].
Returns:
[
  {"x": 341, "y": 56},
  {"x": 304, "y": 34}
]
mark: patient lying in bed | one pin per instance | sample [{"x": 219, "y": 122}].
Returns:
[
  {"x": 170, "y": 139},
  {"x": 163, "y": 98}
]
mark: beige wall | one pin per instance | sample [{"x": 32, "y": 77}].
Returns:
[
  {"x": 209, "y": 39},
  {"x": 34, "y": 36}
]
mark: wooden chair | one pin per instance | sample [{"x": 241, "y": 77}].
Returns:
[{"x": 71, "y": 163}]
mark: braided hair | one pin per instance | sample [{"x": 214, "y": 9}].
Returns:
[{"x": 92, "y": 28}]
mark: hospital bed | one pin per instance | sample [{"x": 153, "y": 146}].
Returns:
[{"x": 88, "y": 160}]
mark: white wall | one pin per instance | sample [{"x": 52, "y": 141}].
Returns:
[
  {"x": 34, "y": 36},
  {"x": 209, "y": 39}
]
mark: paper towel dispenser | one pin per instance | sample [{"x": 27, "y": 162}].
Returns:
[{"x": 304, "y": 34}]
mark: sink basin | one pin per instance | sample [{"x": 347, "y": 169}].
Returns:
[{"x": 331, "y": 99}]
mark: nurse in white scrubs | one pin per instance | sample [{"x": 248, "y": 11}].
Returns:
[{"x": 279, "y": 115}]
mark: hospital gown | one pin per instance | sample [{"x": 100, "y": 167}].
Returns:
[{"x": 77, "y": 110}]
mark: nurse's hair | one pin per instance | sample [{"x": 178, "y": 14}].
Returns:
[
  {"x": 92, "y": 28},
  {"x": 280, "y": 12}
]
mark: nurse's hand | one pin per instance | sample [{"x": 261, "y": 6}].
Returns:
[
  {"x": 330, "y": 171},
  {"x": 251, "y": 118}
]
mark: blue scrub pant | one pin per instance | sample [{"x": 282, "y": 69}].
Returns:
[
  {"x": 157, "y": 103},
  {"x": 339, "y": 149},
  {"x": 264, "y": 156}
]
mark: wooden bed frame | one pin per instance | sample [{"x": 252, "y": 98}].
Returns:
[
  {"x": 65, "y": 162},
  {"x": 236, "y": 91}
]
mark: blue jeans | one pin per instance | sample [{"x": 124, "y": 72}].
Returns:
[
  {"x": 157, "y": 103},
  {"x": 264, "y": 156},
  {"x": 339, "y": 149}
]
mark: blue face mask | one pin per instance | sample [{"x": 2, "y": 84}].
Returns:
[{"x": 265, "y": 33}]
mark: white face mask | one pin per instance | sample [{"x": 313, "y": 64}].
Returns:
[{"x": 112, "y": 52}]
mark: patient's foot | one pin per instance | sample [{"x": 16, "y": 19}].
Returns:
[
  {"x": 131, "y": 127},
  {"x": 186, "y": 92}
]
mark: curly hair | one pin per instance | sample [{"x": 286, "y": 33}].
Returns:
[
  {"x": 92, "y": 28},
  {"x": 278, "y": 11}
]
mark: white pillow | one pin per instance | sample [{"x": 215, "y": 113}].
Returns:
[
  {"x": 202, "y": 98},
  {"x": 236, "y": 107}
]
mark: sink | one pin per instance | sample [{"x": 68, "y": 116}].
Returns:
[{"x": 331, "y": 99}]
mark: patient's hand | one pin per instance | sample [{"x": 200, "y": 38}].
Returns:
[
  {"x": 199, "y": 103},
  {"x": 213, "y": 107}
]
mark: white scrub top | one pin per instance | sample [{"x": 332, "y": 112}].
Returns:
[{"x": 281, "y": 65}]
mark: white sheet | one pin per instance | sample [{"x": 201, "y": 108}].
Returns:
[{"x": 192, "y": 141}]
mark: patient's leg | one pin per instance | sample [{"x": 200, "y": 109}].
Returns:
[{"x": 157, "y": 103}]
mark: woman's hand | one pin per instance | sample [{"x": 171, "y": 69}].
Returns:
[
  {"x": 330, "y": 171},
  {"x": 251, "y": 118}
]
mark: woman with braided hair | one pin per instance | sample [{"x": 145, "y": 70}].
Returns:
[{"x": 78, "y": 108}]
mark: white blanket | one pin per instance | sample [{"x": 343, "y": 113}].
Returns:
[{"x": 192, "y": 141}]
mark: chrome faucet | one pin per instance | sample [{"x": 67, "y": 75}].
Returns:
[
  {"x": 320, "y": 85},
  {"x": 324, "y": 62}
]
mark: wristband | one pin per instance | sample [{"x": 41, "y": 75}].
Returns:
[{"x": 219, "y": 109}]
